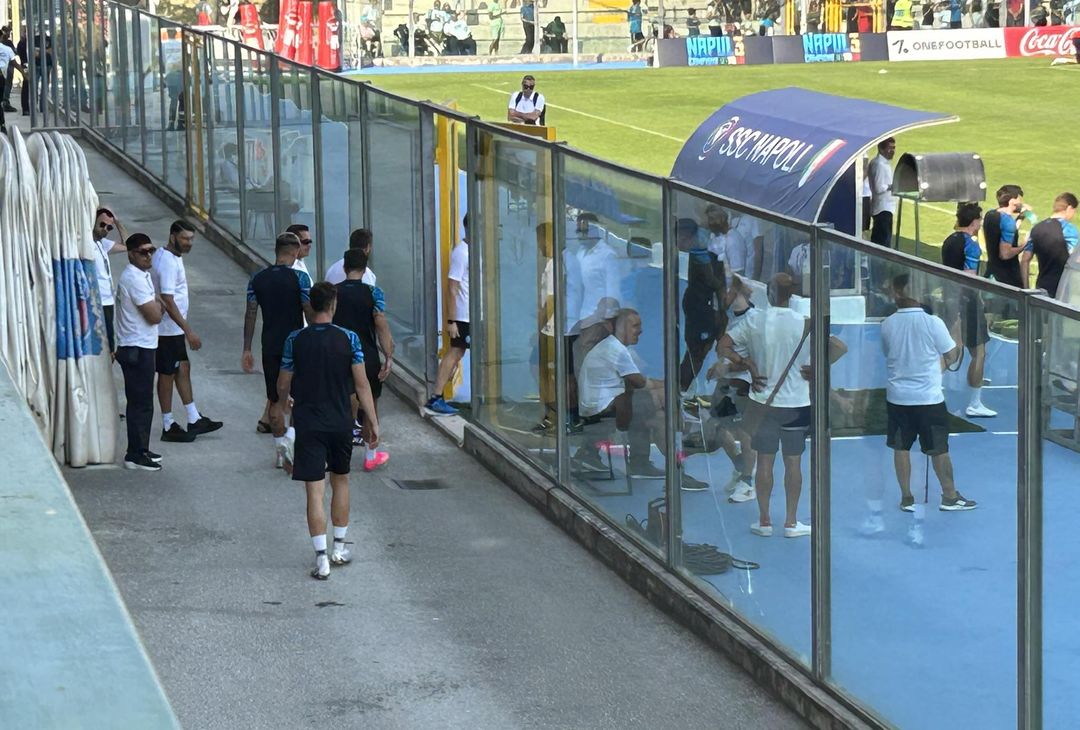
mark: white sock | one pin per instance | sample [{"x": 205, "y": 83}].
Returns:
[
  {"x": 920, "y": 512},
  {"x": 370, "y": 454},
  {"x": 167, "y": 420},
  {"x": 278, "y": 441},
  {"x": 874, "y": 505},
  {"x": 290, "y": 433},
  {"x": 976, "y": 398},
  {"x": 339, "y": 533},
  {"x": 319, "y": 541},
  {"x": 192, "y": 412}
]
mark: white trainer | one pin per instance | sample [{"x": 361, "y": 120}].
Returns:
[
  {"x": 873, "y": 525},
  {"x": 799, "y": 530},
  {"x": 322, "y": 567},
  {"x": 285, "y": 453},
  {"x": 341, "y": 555},
  {"x": 915, "y": 535},
  {"x": 760, "y": 531},
  {"x": 743, "y": 493},
  {"x": 979, "y": 411},
  {"x": 732, "y": 483}
]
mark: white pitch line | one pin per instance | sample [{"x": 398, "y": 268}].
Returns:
[{"x": 592, "y": 116}]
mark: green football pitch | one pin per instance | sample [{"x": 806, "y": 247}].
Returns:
[{"x": 1019, "y": 114}]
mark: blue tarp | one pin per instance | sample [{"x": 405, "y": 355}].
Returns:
[{"x": 783, "y": 150}]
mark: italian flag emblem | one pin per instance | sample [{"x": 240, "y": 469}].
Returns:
[{"x": 820, "y": 159}]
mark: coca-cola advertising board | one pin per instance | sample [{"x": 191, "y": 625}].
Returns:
[{"x": 1047, "y": 40}]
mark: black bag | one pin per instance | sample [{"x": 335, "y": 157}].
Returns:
[{"x": 698, "y": 558}]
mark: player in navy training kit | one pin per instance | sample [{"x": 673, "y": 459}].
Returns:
[
  {"x": 282, "y": 293},
  {"x": 322, "y": 366},
  {"x": 361, "y": 309}
]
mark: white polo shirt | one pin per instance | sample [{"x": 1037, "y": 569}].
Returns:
[
  {"x": 527, "y": 104},
  {"x": 336, "y": 273},
  {"x": 459, "y": 272},
  {"x": 601, "y": 378},
  {"x": 134, "y": 289},
  {"x": 739, "y": 251},
  {"x": 913, "y": 342},
  {"x": 170, "y": 277},
  {"x": 103, "y": 266},
  {"x": 771, "y": 337},
  {"x": 598, "y": 272},
  {"x": 881, "y": 177}
]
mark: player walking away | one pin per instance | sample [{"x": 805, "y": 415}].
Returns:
[
  {"x": 170, "y": 280},
  {"x": 961, "y": 251},
  {"x": 283, "y": 294},
  {"x": 882, "y": 201},
  {"x": 138, "y": 312},
  {"x": 361, "y": 308},
  {"x": 104, "y": 223},
  {"x": 302, "y": 232},
  {"x": 321, "y": 365},
  {"x": 361, "y": 239},
  {"x": 915, "y": 343},
  {"x": 1051, "y": 241},
  {"x": 1002, "y": 235},
  {"x": 457, "y": 324}
]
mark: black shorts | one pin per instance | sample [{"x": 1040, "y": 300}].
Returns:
[
  {"x": 929, "y": 423},
  {"x": 463, "y": 339},
  {"x": 973, "y": 321},
  {"x": 171, "y": 351},
  {"x": 318, "y": 452},
  {"x": 271, "y": 366},
  {"x": 372, "y": 367},
  {"x": 782, "y": 429}
]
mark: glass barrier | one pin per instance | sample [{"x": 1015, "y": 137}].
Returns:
[
  {"x": 257, "y": 169},
  {"x": 296, "y": 186},
  {"x": 132, "y": 127},
  {"x": 743, "y": 336},
  {"x": 175, "y": 134},
  {"x": 86, "y": 71},
  {"x": 610, "y": 230},
  {"x": 222, "y": 169},
  {"x": 199, "y": 122},
  {"x": 513, "y": 237},
  {"x": 923, "y": 415},
  {"x": 341, "y": 166},
  {"x": 154, "y": 101},
  {"x": 392, "y": 133},
  {"x": 1059, "y": 412},
  {"x": 110, "y": 49}
]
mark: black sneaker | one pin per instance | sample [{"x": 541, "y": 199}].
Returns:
[
  {"x": 177, "y": 435},
  {"x": 907, "y": 504},
  {"x": 689, "y": 484},
  {"x": 10, "y": 108},
  {"x": 575, "y": 427},
  {"x": 646, "y": 471},
  {"x": 156, "y": 458},
  {"x": 203, "y": 425},
  {"x": 959, "y": 503},
  {"x": 545, "y": 426},
  {"x": 142, "y": 461}
]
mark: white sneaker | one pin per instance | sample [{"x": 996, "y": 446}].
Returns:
[
  {"x": 915, "y": 534},
  {"x": 279, "y": 460},
  {"x": 760, "y": 531},
  {"x": 322, "y": 568},
  {"x": 799, "y": 530},
  {"x": 732, "y": 483},
  {"x": 743, "y": 493},
  {"x": 341, "y": 555},
  {"x": 872, "y": 526},
  {"x": 979, "y": 411},
  {"x": 285, "y": 453}
]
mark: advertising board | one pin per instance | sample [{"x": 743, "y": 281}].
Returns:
[
  {"x": 946, "y": 45},
  {"x": 1047, "y": 40}
]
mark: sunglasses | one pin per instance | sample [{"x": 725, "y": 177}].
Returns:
[
  {"x": 528, "y": 86},
  {"x": 106, "y": 226},
  {"x": 145, "y": 251},
  {"x": 308, "y": 242}
]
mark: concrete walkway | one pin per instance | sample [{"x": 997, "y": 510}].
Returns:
[{"x": 463, "y": 608}]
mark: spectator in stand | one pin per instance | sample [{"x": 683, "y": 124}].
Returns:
[
  {"x": 459, "y": 37},
  {"x": 693, "y": 23},
  {"x": 1002, "y": 236},
  {"x": 956, "y": 13},
  {"x": 1051, "y": 242},
  {"x": 495, "y": 13},
  {"x": 882, "y": 201},
  {"x": 714, "y": 15},
  {"x": 555, "y": 36},
  {"x": 633, "y": 16},
  {"x": 528, "y": 24},
  {"x": 9, "y": 74},
  {"x": 902, "y": 19}
]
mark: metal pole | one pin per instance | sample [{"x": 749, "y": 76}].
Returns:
[
  {"x": 673, "y": 480},
  {"x": 574, "y": 32},
  {"x": 1029, "y": 514},
  {"x": 429, "y": 240},
  {"x": 536, "y": 28},
  {"x": 412, "y": 30},
  {"x": 316, "y": 153},
  {"x": 31, "y": 67},
  {"x": 820, "y": 454},
  {"x": 275, "y": 137},
  {"x": 241, "y": 162},
  {"x": 562, "y": 398}
]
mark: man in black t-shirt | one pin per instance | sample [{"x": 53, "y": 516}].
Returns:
[
  {"x": 1051, "y": 241},
  {"x": 361, "y": 308},
  {"x": 322, "y": 366},
  {"x": 282, "y": 293}
]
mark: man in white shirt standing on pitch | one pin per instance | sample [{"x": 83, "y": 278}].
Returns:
[
  {"x": 104, "y": 224},
  {"x": 916, "y": 345},
  {"x": 882, "y": 201},
  {"x": 174, "y": 334},
  {"x": 527, "y": 106},
  {"x": 138, "y": 312},
  {"x": 361, "y": 239}
]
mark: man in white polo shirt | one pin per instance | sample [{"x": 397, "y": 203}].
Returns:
[
  {"x": 915, "y": 345},
  {"x": 527, "y": 106},
  {"x": 104, "y": 223},
  {"x": 362, "y": 239},
  {"x": 138, "y": 312},
  {"x": 174, "y": 334},
  {"x": 302, "y": 232}
]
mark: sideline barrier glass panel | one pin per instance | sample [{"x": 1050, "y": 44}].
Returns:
[
  {"x": 257, "y": 170},
  {"x": 223, "y": 171},
  {"x": 296, "y": 187},
  {"x": 133, "y": 64},
  {"x": 392, "y": 133},
  {"x": 511, "y": 232},
  {"x": 84, "y": 30},
  {"x": 111, "y": 30},
  {"x": 610, "y": 233},
  {"x": 173, "y": 58},
  {"x": 342, "y": 167},
  {"x": 1059, "y": 412},
  {"x": 199, "y": 129},
  {"x": 932, "y": 591},
  {"x": 737, "y": 438},
  {"x": 155, "y": 103}
]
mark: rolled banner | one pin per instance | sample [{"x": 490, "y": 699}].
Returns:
[
  {"x": 251, "y": 26},
  {"x": 304, "y": 29},
  {"x": 285, "y": 45},
  {"x": 329, "y": 54}
]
